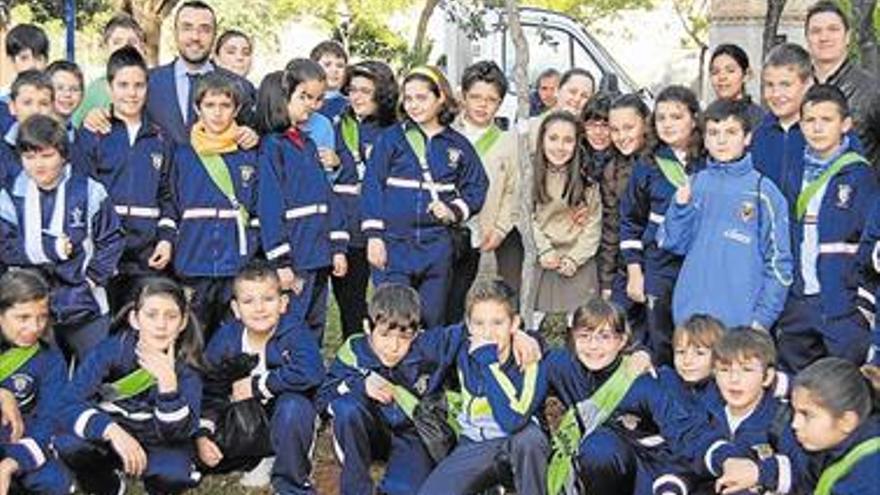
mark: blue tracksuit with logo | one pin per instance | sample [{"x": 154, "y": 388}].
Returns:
[
  {"x": 365, "y": 429},
  {"x": 210, "y": 246},
  {"x": 286, "y": 384},
  {"x": 818, "y": 323},
  {"x": 37, "y": 385},
  {"x": 164, "y": 423},
  {"x": 302, "y": 223},
  {"x": 736, "y": 222},
  {"x": 869, "y": 278},
  {"x": 37, "y": 222},
  {"x": 861, "y": 479},
  {"x": 649, "y": 434},
  {"x": 395, "y": 198},
  {"x": 642, "y": 210}
]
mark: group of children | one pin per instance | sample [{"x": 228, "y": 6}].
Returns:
[{"x": 146, "y": 226}]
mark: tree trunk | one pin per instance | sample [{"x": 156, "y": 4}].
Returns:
[
  {"x": 863, "y": 11},
  {"x": 526, "y": 202},
  {"x": 149, "y": 14},
  {"x": 771, "y": 24},
  {"x": 422, "y": 30}
]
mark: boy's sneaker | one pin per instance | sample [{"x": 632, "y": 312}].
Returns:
[
  {"x": 260, "y": 476},
  {"x": 112, "y": 484}
]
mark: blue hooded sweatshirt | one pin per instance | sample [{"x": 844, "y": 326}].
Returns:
[{"x": 735, "y": 238}]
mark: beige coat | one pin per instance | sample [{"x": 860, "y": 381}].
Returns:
[{"x": 556, "y": 232}]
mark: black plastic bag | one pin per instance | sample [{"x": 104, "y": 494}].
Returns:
[
  {"x": 435, "y": 432},
  {"x": 243, "y": 430},
  {"x": 461, "y": 241}
]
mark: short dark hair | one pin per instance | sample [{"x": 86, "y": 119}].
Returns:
[
  {"x": 122, "y": 21},
  {"x": 33, "y": 77},
  {"x": 27, "y": 37},
  {"x": 821, "y": 93},
  {"x": 386, "y": 91},
  {"x": 217, "y": 82},
  {"x": 597, "y": 107},
  {"x": 228, "y": 35},
  {"x": 577, "y": 71},
  {"x": 721, "y": 110},
  {"x": 791, "y": 55},
  {"x": 551, "y": 72},
  {"x": 485, "y": 71},
  {"x": 40, "y": 132},
  {"x": 197, "y": 5},
  {"x": 826, "y": 7},
  {"x": 328, "y": 47},
  {"x": 127, "y": 56},
  {"x": 65, "y": 66},
  {"x": 745, "y": 343},
  {"x": 300, "y": 70},
  {"x": 256, "y": 270},
  {"x": 22, "y": 286},
  {"x": 733, "y": 51},
  {"x": 396, "y": 306},
  {"x": 439, "y": 85}
]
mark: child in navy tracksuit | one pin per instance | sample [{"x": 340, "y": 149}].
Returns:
[
  {"x": 501, "y": 440},
  {"x": 734, "y": 221},
  {"x": 284, "y": 380},
  {"x": 27, "y": 47},
  {"x": 672, "y": 160},
  {"x": 214, "y": 195},
  {"x": 62, "y": 222},
  {"x": 422, "y": 179},
  {"x": 372, "y": 93},
  {"x": 33, "y": 378},
  {"x": 302, "y": 222},
  {"x": 32, "y": 93},
  {"x": 869, "y": 279},
  {"x": 133, "y": 406},
  {"x": 835, "y": 421},
  {"x": 830, "y": 198},
  {"x": 132, "y": 163},
  {"x": 625, "y": 445},
  {"x": 691, "y": 377},
  {"x": 750, "y": 423}
]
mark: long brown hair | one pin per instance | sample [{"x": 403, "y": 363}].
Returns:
[{"x": 573, "y": 193}]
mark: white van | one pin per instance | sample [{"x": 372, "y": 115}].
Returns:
[{"x": 555, "y": 41}]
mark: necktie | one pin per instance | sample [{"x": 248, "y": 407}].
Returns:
[{"x": 191, "y": 104}]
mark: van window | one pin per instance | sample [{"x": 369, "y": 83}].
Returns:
[{"x": 549, "y": 48}]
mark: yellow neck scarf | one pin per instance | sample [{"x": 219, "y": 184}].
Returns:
[{"x": 207, "y": 143}]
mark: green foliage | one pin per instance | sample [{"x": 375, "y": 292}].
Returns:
[
  {"x": 854, "y": 51},
  {"x": 45, "y": 10},
  {"x": 370, "y": 38}
]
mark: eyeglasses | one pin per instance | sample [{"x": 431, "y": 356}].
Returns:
[{"x": 589, "y": 336}]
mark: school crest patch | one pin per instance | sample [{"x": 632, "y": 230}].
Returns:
[
  {"x": 747, "y": 211},
  {"x": 763, "y": 450},
  {"x": 421, "y": 384},
  {"x": 156, "y": 160},
  {"x": 76, "y": 218},
  {"x": 454, "y": 155},
  {"x": 844, "y": 195},
  {"x": 247, "y": 173},
  {"x": 23, "y": 388}
]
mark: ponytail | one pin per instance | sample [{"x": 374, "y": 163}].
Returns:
[{"x": 839, "y": 386}]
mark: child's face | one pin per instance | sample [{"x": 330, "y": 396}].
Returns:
[
  {"x": 128, "y": 91},
  {"x": 693, "y": 362},
  {"x": 674, "y": 124},
  {"x": 574, "y": 94},
  {"x": 727, "y": 78},
  {"x": 159, "y": 321},
  {"x": 420, "y": 103},
  {"x": 784, "y": 91},
  {"x": 481, "y": 102},
  {"x": 362, "y": 96},
  {"x": 726, "y": 140},
  {"x": 560, "y": 140},
  {"x": 26, "y": 60},
  {"x": 390, "y": 345},
  {"x": 815, "y": 426},
  {"x": 24, "y": 323},
  {"x": 68, "y": 93},
  {"x": 627, "y": 130},
  {"x": 305, "y": 100},
  {"x": 598, "y": 134},
  {"x": 597, "y": 348},
  {"x": 742, "y": 383},
  {"x": 43, "y": 166},
  {"x": 122, "y": 36},
  {"x": 334, "y": 67},
  {"x": 259, "y": 304},
  {"x": 235, "y": 55},
  {"x": 31, "y": 100},
  {"x": 492, "y": 321},
  {"x": 824, "y": 127},
  {"x": 827, "y": 38},
  {"x": 217, "y": 111}
]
